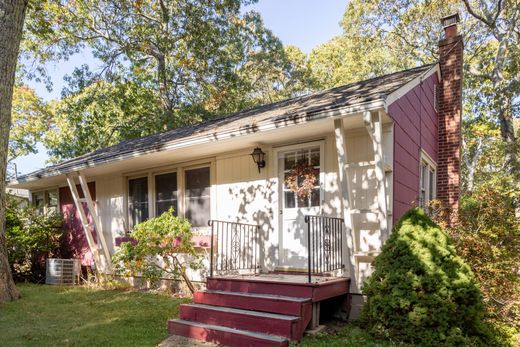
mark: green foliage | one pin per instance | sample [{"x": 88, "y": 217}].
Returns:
[
  {"x": 162, "y": 64},
  {"x": 421, "y": 292},
  {"x": 30, "y": 117},
  {"x": 487, "y": 236},
  {"x": 158, "y": 243},
  {"x": 31, "y": 238}
]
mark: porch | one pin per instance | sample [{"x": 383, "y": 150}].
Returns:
[{"x": 245, "y": 306}]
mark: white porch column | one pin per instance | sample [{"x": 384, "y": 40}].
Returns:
[
  {"x": 346, "y": 200},
  {"x": 373, "y": 123}
]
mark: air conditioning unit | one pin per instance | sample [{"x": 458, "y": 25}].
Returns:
[{"x": 63, "y": 271}]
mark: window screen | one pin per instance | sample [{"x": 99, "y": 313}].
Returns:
[
  {"x": 166, "y": 193},
  {"x": 39, "y": 201},
  {"x": 53, "y": 201},
  {"x": 197, "y": 197},
  {"x": 138, "y": 200}
]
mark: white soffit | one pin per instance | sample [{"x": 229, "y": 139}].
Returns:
[{"x": 402, "y": 91}]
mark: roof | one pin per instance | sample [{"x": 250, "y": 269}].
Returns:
[{"x": 358, "y": 93}]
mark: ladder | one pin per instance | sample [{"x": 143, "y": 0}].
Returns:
[{"x": 98, "y": 248}]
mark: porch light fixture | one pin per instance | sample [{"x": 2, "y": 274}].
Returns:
[{"x": 258, "y": 157}]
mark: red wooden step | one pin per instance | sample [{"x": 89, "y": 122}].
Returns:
[
  {"x": 250, "y": 301},
  {"x": 259, "y": 287},
  {"x": 269, "y": 323},
  {"x": 223, "y": 335}
]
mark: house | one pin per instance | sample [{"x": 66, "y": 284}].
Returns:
[{"x": 300, "y": 194}]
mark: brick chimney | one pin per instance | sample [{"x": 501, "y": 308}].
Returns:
[{"x": 450, "y": 113}]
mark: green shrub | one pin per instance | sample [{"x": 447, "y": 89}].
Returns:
[
  {"x": 155, "y": 253},
  {"x": 421, "y": 292},
  {"x": 31, "y": 238}
]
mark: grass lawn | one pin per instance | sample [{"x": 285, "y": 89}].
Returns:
[{"x": 78, "y": 316}]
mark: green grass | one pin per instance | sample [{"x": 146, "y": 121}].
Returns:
[
  {"x": 349, "y": 336},
  {"x": 78, "y": 316}
]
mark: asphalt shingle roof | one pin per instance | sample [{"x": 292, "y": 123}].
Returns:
[{"x": 373, "y": 89}]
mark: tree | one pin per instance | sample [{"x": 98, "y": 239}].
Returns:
[
  {"x": 501, "y": 20},
  {"x": 402, "y": 34},
  {"x": 188, "y": 60},
  {"x": 12, "y": 14},
  {"x": 30, "y": 118}
]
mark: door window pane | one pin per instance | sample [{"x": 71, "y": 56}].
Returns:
[
  {"x": 138, "y": 200},
  {"x": 309, "y": 157},
  {"x": 198, "y": 196},
  {"x": 166, "y": 193}
]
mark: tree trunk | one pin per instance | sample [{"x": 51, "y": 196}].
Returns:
[
  {"x": 12, "y": 15},
  {"x": 505, "y": 116}
]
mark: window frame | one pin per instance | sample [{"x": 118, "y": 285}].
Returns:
[
  {"x": 127, "y": 198},
  {"x": 46, "y": 207},
  {"x": 431, "y": 167},
  {"x": 179, "y": 169}
]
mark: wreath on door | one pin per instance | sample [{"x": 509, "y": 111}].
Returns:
[{"x": 303, "y": 189}]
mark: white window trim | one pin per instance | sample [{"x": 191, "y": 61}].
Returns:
[{"x": 425, "y": 158}]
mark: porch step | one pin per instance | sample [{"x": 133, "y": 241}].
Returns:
[
  {"x": 279, "y": 304},
  {"x": 259, "y": 287},
  {"x": 268, "y": 323},
  {"x": 224, "y": 335}
]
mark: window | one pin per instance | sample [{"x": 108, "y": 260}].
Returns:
[
  {"x": 427, "y": 181},
  {"x": 187, "y": 190},
  {"x": 46, "y": 201},
  {"x": 39, "y": 202},
  {"x": 308, "y": 156},
  {"x": 137, "y": 200},
  {"x": 197, "y": 196},
  {"x": 166, "y": 193}
]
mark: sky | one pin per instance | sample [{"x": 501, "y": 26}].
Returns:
[{"x": 302, "y": 23}]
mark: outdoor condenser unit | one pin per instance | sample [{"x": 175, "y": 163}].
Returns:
[{"x": 63, "y": 271}]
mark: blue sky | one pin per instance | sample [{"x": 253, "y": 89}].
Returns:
[{"x": 303, "y": 23}]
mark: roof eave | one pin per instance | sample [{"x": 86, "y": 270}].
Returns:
[{"x": 262, "y": 126}]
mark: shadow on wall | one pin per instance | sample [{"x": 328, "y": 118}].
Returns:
[{"x": 255, "y": 206}]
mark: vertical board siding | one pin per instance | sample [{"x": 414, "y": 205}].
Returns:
[
  {"x": 416, "y": 127},
  {"x": 74, "y": 243}
]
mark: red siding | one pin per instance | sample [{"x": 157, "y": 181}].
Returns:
[
  {"x": 74, "y": 243},
  {"x": 415, "y": 127}
]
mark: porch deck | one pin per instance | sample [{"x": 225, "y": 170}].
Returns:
[{"x": 320, "y": 288}]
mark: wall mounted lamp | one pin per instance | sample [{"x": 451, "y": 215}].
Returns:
[{"x": 259, "y": 158}]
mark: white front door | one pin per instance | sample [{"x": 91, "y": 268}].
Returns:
[{"x": 293, "y": 242}]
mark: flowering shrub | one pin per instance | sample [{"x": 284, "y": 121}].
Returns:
[{"x": 155, "y": 253}]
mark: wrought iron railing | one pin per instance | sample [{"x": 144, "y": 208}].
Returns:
[
  {"x": 325, "y": 235},
  {"x": 234, "y": 247}
]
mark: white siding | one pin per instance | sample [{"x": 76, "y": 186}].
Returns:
[{"x": 110, "y": 202}]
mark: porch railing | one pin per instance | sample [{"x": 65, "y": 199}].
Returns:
[
  {"x": 325, "y": 235},
  {"x": 234, "y": 247}
]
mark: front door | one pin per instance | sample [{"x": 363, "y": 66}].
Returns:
[{"x": 295, "y": 203}]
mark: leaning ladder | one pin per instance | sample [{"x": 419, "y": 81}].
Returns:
[{"x": 88, "y": 227}]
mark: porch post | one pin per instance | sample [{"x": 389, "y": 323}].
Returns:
[
  {"x": 343, "y": 183},
  {"x": 373, "y": 123}
]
